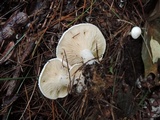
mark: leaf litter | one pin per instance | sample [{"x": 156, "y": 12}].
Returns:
[{"x": 111, "y": 85}]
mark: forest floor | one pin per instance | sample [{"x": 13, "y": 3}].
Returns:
[{"x": 30, "y": 31}]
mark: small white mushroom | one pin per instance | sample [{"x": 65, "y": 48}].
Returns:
[
  {"x": 81, "y": 43},
  {"x": 77, "y": 77},
  {"x": 54, "y": 79},
  {"x": 135, "y": 32}
]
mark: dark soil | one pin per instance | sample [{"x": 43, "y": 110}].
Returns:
[{"x": 112, "y": 92}]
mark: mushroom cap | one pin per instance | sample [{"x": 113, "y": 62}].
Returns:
[
  {"x": 136, "y": 32},
  {"x": 84, "y": 36},
  {"x": 77, "y": 77},
  {"x": 53, "y": 80},
  {"x": 76, "y": 73}
]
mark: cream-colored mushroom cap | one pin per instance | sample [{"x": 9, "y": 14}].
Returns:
[
  {"x": 81, "y": 43},
  {"x": 53, "y": 80},
  {"x": 76, "y": 73},
  {"x": 77, "y": 77}
]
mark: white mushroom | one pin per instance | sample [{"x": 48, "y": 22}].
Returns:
[
  {"x": 81, "y": 43},
  {"x": 135, "y": 32},
  {"x": 54, "y": 79},
  {"x": 77, "y": 77}
]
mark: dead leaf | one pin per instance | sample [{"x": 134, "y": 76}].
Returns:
[
  {"x": 155, "y": 49},
  {"x": 151, "y": 49}
]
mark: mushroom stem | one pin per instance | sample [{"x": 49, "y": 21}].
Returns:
[{"x": 87, "y": 56}]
